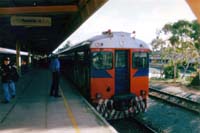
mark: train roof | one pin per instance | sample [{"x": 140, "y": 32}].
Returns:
[
  {"x": 113, "y": 40},
  {"x": 117, "y": 40}
]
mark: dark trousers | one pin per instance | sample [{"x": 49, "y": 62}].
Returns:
[{"x": 55, "y": 84}]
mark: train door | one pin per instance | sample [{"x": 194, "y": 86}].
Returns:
[{"x": 122, "y": 72}]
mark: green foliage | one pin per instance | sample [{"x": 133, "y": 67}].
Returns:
[
  {"x": 195, "y": 81},
  {"x": 183, "y": 44},
  {"x": 169, "y": 72}
]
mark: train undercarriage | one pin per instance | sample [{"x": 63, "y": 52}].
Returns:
[{"x": 120, "y": 107}]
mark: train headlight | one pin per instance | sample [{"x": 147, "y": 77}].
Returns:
[
  {"x": 98, "y": 95},
  {"x": 143, "y": 92}
]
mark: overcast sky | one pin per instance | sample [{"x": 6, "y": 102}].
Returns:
[{"x": 142, "y": 16}]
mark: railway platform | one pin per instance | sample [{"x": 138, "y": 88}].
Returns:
[{"x": 34, "y": 111}]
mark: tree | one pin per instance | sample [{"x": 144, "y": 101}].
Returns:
[
  {"x": 181, "y": 46},
  {"x": 189, "y": 55},
  {"x": 196, "y": 36},
  {"x": 158, "y": 46},
  {"x": 172, "y": 50}
]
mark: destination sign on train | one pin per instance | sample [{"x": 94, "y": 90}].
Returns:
[{"x": 30, "y": 21}]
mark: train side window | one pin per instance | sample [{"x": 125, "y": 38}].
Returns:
[
  {"x": 102, "y": 60},
  {"x": 80, "y": 55},
  {"x": 140, "y": 60}
]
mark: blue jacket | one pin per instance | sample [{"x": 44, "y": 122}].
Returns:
[{"x": 55, "y": 65}]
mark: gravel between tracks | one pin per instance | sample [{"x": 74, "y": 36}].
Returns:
[{"x": 168, "y": 118}]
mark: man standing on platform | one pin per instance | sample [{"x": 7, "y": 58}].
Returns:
[
  {"x": 55, "y": 68},
  {"x": 7, "y": 72}
]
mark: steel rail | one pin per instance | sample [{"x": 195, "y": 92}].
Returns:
[
  {"x": 177, "y": 100},
  {"x": 146, "y": 126}
]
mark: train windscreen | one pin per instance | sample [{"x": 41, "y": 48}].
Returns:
[
  {"x": 140, "y": 60},
  {"x": 102, "y": 60}
]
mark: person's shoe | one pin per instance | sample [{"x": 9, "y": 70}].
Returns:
[{"x": 57, "y": 96}]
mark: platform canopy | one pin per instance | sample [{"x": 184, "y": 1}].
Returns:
[
  {"x": 195, "y": 6},
  {"x": 40, "y": 26}
]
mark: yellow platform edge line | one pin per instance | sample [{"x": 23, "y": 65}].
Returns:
[{"x": 69, "y": 112}]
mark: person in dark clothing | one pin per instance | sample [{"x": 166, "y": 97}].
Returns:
[
  {"x": 55, "y": 68},
  {"x": 7, "y": 72}
]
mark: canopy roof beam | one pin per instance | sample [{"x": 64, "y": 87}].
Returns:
[
  {"x": 195, "y": 6},
  {"x": 38, "y": 9}
]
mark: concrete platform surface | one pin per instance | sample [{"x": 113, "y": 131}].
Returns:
[{"x": 34, "y": 111}]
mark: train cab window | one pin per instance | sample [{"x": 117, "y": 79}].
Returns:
[
  {"x": 102, "y": 60},
  {"x": 140, "y": 60}
]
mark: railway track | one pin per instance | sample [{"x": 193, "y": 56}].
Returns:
[
  {"x": 177, "y": 100},
  {"x": 145, "y": 126},
  {"x": 131, "y": 125},
  {"x": 138, "y": 125}
]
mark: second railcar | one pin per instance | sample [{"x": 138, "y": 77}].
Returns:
[{"x": 111, "y": 70}]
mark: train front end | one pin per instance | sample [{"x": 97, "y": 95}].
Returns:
[{"x": 119, "y": 75}]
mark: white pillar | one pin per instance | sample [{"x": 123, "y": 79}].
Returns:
[
  {"x": 29, "y": 58},
  {"x": 18, "y": 57}
]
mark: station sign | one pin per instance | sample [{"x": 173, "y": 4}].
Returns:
[{"x": 30, "y": 21}]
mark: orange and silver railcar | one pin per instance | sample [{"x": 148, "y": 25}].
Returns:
[{"x": 111, "y": 70}]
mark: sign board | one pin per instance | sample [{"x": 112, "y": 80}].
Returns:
[{"x": 30, "y": 21}]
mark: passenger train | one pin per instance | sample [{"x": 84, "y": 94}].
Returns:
[{"x": 110, "y": 70}]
